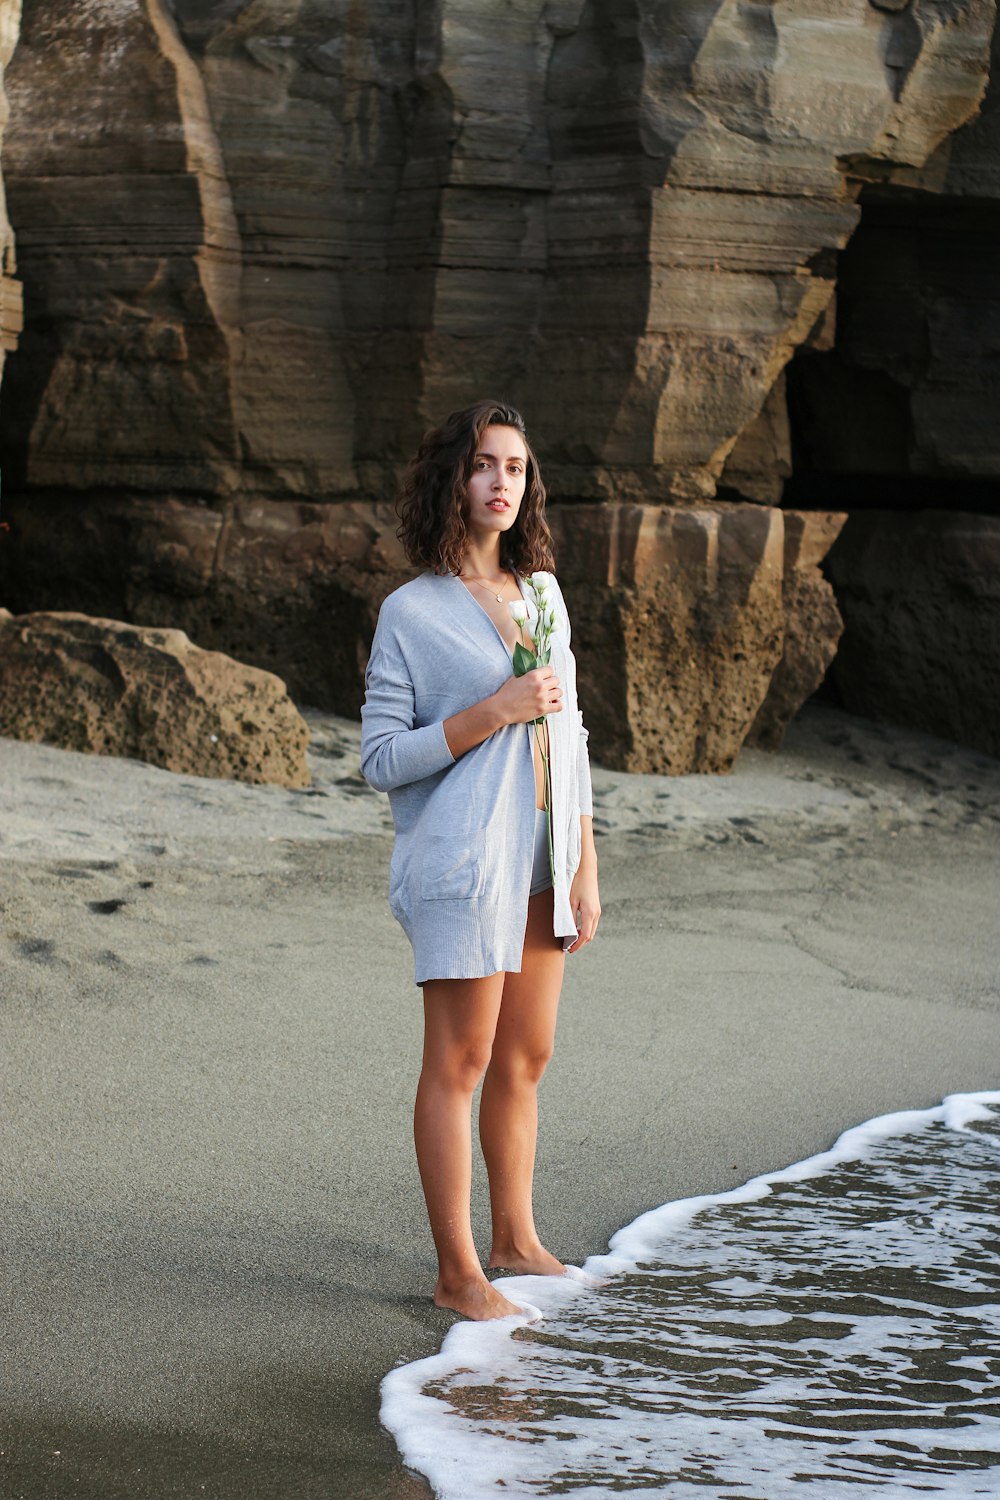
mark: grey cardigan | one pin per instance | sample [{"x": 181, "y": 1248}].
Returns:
[{"x": 461, "y": 865}]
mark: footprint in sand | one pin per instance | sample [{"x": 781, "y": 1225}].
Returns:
[
  {"x": 109, "y": 959},
  {"x": 37, "y": 950}
]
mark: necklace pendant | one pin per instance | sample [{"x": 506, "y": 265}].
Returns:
[{"x": 499, "y": 598}]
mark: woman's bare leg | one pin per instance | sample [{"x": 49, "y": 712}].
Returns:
[
  {"x": 508, "y": 1110},
  {"x": 460, "y": 1017}
]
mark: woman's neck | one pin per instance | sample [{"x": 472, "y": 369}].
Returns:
[{"x": 482, "y": 559}]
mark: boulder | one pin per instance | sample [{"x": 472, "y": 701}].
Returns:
[
  {"x": 134, "y": 690},
  {"x": 920, "y": 597}
]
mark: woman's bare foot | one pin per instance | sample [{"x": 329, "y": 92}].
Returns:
[
  {"x": 535, "y": 1260},
  {"x": 477, "y": 1299}
]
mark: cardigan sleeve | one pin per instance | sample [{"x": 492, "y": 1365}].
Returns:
[
  {"x": 586, "y": 788},
  {"x": 584, "y": 779},
  {"x": 394, "y": 752}
]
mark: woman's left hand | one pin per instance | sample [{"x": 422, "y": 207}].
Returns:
[{"x": 585, "y": 904}]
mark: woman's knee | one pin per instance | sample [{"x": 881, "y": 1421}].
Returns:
[
  {"x": 520, "y": 1066},
  {"x": 459, "y": 1066}
]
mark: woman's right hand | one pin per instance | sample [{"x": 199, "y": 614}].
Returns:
[{"x": 522, "y": 699}]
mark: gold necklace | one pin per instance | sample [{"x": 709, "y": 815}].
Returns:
[{"x": 484, "y": 585}]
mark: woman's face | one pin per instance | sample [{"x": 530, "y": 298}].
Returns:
[{"x": 496, "y": 485}]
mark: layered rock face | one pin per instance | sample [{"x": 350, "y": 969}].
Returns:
[
  {"x": 114, "y": 689},
  {"x": 283, "y": 239},
  {"x": 266, "y": 245}
]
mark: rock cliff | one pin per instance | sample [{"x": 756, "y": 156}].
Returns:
[{"x": 266, "y": 245}]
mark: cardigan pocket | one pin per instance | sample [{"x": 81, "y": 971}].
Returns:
[{"x": 453, "y": 866}]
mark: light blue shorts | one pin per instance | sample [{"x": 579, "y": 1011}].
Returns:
[{"x": 541, "y": 871}]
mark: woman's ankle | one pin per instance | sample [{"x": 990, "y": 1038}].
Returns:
[
  {"x": 458, "y": 1275},
  {"x": 515, "y": 1243},
  {"x": 525, "y": 1255}
]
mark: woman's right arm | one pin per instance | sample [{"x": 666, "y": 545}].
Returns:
[
  {"x": 394, "y": 752},
  {"x": 520, "y": 700}
]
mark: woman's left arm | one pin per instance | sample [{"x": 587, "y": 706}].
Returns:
[{"x": 584, "y": 899}]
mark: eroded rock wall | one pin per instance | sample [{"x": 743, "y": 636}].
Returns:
[{"x": 266, "y": 245}]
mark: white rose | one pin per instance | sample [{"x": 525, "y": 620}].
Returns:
[{"x": 519, "y": 610}]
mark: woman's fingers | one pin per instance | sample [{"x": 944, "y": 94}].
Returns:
[
  {"x": 548, "y": 689},
  {"x": 588, "y": 918},
  {"x": 527, "y": 697},
  {"x": 537, "y": 692}
]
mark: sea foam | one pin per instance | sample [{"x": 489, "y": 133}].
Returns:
[{"x": 833, "y": 1326}]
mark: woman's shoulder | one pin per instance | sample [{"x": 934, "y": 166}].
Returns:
[
  {"x": 414, "y": 599},
  {"x": 417, "y": 591}
]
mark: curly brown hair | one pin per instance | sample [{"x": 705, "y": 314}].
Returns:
[{"x": 431, "y": 502}]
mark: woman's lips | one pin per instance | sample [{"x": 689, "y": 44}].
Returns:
[{"x": 498, "y": 505}]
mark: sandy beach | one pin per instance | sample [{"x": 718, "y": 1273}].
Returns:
[{"x": 214, "y": 1231}]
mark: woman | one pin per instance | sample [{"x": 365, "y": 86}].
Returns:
[{"x": 448, "y": 732}]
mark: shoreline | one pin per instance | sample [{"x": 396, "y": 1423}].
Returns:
[
  {"x": 566, "y": 1383},
  {"x": 217, "y": 1233}
]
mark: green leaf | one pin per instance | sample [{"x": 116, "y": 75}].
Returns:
[{"x": 524, "y": 660}]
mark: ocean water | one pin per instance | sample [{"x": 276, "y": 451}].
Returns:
[{"x": 827, "y": 1331}]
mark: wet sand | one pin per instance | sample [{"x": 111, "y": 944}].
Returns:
[{"x": 214, "y": 1231}]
